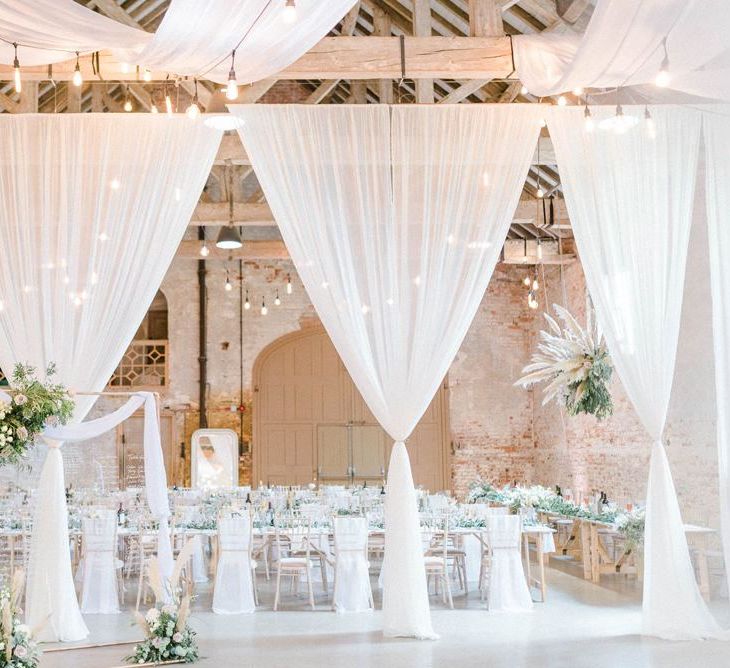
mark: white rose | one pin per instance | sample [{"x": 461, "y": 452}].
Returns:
[
  {"x": 177, "y": 637},
  {"x": 153, "y": 614},
  {"x": 20, "y": 399}
]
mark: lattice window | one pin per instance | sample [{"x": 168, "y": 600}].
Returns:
[{"x": 143, "y": 365}]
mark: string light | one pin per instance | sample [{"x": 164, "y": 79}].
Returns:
[
  {"x": 540, "y": 193},
  {"x": 193, "y": 111},
  {"x": 16, "y": 69},
  {"x": 127, "y": 102},
  {"x": 232, "y": 87},
  {"x": 290, "y": 12},
  {"x": 77, "y": 79},
  {"x": 204, "y": 250},
  {"x": 562, "y": 101},
  {"x": 588, "y": 119},
  {"x": 543, "y": 123},
  {"x": 264, "y": 310},
  {"x": 650, "y": 126},
  {"x": 277, "y": 301},
  {"x": 532, "y": 301},
  {"x": 539, "y": 249},
  {"x": 288, "y": 284},
  {"x": 578, "y": 91},
  {"x": 147, "y": 75},
  {"x": 103, "y": 237},
  {"x": 662, "y": 77},
  {"x": 154, "y": 109},
  {"x": 228, "y": 285},
  {"x": 523, "y": 90},
  {"x": 247, "y": 304},
  {"x": 535, "y": 284},
  {"x": 526, "y": 281}
]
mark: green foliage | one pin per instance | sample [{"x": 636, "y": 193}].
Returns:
[
  {"x": 17, "y": 647},
  {"x": 591, "y": 395},
  {"x": 34, "y": 404},
  {"x": 164, "y": 642}
]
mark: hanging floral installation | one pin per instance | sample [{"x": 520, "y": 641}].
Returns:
[
  {"x": 575, "y": 364},
  {"x": 28, "y": 408}
]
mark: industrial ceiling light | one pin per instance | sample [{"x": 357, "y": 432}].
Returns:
[{"x": 229, "y": 237}]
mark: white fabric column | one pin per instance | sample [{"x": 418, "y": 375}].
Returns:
[
  {"x": 716, "y": 131},
  {"x": 394, "y": 218},
  {"x": 89, "y": 226},
  {"x": 630, "y": 199}
]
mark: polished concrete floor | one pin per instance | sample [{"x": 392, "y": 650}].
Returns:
[{"x": 581, "y": 624}]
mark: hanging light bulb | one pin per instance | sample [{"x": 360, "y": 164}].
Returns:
[
  {"x": 650, "y": 126},
  {"x": 147, "y": 75},
  {"x": 193, "y": 111},
  {"x": 77, "y": 79},
  {"x": 277, "y": 301},
  {"x": 578, "y": 91},
  {"x": 662, "y": 77},
  {"x": 290, "y": 12},
  {"x": 532, "y": 302},
  {"x": 535, "y": 285},
  {"x": 204, "y": 250},
  {"x": 539, "y": 249},
  {"x": 540, "y": 192},
  {"x": 168, "y": 103},
  {"x": 523, "y": 90},
  {"x": 562, "y": 101},
  {"x": 228, "y": 285},
  {"x": 264, "y": 310},
  {"x": 247, "y": 304},
  {"x": 588, "y": 119},
  {"x": 526, "y": 281},
  {"x": 127, "y": 102},
  {"x": 154, "y": 109},
  {"x": 288, "y": 284},
  {"x": 16, "y": 69},
  {"x": 232, "y": 87}
]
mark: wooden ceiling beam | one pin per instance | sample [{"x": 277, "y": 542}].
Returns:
[{"x": 342, "y": 58}]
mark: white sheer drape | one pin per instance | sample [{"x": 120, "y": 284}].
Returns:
[
  {"x": 189, "y": 41},
  {"x": 394, "y": 218},
  {"x": 57, "y": 28},
  {"x": 630, "y": 199},
  {"x": 716, "y": 132},
  {"x": 89, "y": 226},
  {"x": 623, "y": 45}
]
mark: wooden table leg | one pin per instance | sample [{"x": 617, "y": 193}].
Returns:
[
  {"x": 541, "y": 561},
  {"x": 528, "y": 571}
]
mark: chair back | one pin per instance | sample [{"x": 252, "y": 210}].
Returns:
[
  {"x": 292, "y": 534},
  {"x": 99, "y": 533},
  {"x": 235, "y": 533},
  {"x": 504, "y": 531},
  {"x": 351, "y": 534}
]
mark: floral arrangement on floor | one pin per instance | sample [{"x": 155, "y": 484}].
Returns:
[
  {"x": 17, "y": 647},
  {"x": 576, "y": 365},
  {"x": 168, "y": 638},
  {"x": 630, "y": 524},
  {"x": 32, "y": 406}
]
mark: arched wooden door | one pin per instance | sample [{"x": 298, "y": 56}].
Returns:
[{"x": 310, "y": 422}]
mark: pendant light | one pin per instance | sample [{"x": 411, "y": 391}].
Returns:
[
  {"x": 16, "y": 69},
  {"x": 229, "y": 237}
]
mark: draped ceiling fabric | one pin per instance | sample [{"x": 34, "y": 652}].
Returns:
[
  {"x": 89, "y": 224},
  {"x": 57, "y": 28},
  {"x": 716, "y": 133},
  {"x": 189, "y": 41},
  {"x": 394, "y": 218},
  {"x": 630, "y": 201},
  {"x": 622, "y": 46}
]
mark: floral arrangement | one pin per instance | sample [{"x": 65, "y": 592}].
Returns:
[
  {"x": 576, "y": 365},
  {"x": 168, "y": 638},
  {"x": 631, "y": 527},
  {"x": 630, "y": 524},
  {"x": 17, "y": 647},
  {"x": 32, "y": 406}
]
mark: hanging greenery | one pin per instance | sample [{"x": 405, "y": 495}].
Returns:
[
  {"x": 31, "y": 405},
  {"x": 576, "y": 365}
]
